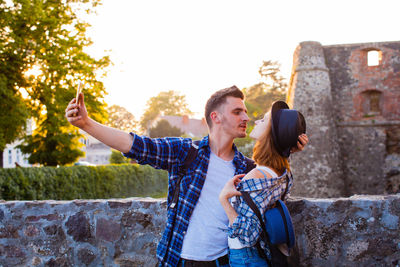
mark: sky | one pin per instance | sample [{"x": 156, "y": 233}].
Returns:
[{"x": 199, "y": 47}]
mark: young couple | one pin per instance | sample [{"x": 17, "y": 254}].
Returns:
[{"x": 204, "y": 222}]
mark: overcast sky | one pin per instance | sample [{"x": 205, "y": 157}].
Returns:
[{"x": 198, "y": 47}]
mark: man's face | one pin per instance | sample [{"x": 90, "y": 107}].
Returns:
[{"x": 233, "y": 117}]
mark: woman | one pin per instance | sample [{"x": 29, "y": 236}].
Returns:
[{"x": 277, "y": 135}]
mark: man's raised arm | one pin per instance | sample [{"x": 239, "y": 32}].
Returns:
[{"x": 77, "y": 115}]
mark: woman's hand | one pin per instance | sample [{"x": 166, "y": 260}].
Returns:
[
  {"x": 227, "y": 192},
  {"x": 229, "y": 189},
  {"x": 300, "y": 144}
]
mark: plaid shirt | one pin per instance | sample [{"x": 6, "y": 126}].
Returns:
[
  {"x": 169, "y": 154},
  {"x": 264, "y": 192}
]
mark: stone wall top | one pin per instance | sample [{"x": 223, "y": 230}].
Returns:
[{"x": 355, "y": 231}]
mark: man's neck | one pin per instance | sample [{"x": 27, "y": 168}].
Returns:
[{"x": 221, "y": 145}]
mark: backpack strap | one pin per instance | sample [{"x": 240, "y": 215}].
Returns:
[
  {"x": 249, "y": 201},
  {"x": 246, "y": 197},
  {"x": 190, "y": 157}
]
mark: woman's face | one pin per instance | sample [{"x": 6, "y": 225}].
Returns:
[{"x": 260, "y": 127}]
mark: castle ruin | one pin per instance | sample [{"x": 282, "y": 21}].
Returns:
[{"x": 350, "y": 96}]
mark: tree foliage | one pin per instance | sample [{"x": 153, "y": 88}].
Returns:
[
  {"x": 259, "y": 98},
  {"x": 13, "y": 121},
  {"x": 163, "y": 129},
  {"x": 273, "y": 87},
  {"x": 120, "y": 118},
  {"x": 165, "y": 103},
  {"x": 42, "y": 52},
  {"x": 117, "y": 158}
]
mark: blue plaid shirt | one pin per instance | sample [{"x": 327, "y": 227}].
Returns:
[
  {"x": 264, "y": 192},
  {"x": 169, "y": 154}
]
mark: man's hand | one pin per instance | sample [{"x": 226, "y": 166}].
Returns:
[
  {"x": 300, "y": 146},
  {"x": 77, "y": 114}
]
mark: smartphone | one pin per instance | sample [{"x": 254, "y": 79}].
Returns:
[{"x": 78, "y": 91}]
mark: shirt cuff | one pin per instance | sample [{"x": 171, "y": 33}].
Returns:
[
  {"x": 233, "y": 230},
  {"x": 131, "y": 152}
]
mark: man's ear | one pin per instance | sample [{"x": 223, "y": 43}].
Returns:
[{"x": 215, "y": 117}]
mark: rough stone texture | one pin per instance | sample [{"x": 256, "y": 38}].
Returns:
[
  {"x": 353, "y": 119},
  {"x": 315, "y": 173},
  {"x": 356, "y": 231}
]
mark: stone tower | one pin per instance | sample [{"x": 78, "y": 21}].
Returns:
[{"x": 317, "y": 170}]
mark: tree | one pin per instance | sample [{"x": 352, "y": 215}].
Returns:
[
  {"x": 13, "y": 121},
  {"x": 259, "y": 97},
  {"x": 163, "y": 129},
  {"x": 165, "y": 103},
  {"x": 120, "y": 118},
  {"x": 14, "y": 111},
  {"x": 48, "y": 36},
  {"x": 117, "y": 158}
]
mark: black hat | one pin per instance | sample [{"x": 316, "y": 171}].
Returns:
[{"x": 285, "y": 131}]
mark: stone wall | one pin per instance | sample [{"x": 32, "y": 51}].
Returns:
[
  {"x": 356, "y": 231},
  {"x": 352, "y": 109}
]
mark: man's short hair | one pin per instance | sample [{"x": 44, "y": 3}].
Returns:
[{"x": 219, "y": 98}]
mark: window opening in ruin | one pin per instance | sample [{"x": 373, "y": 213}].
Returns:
[
  {"x": 374, "y": 57},
  {"x": 372, "y": 103}
]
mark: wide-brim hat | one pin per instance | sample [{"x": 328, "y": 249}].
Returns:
[
  {"x": 284, "y": 127},
  {"x": 279, "y": 226}
]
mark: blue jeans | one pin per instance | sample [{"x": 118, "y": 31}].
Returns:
[{"x": 246, "y": 257}]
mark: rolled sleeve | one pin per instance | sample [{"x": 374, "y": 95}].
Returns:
[
  {"x": 246, "y": 229},
  {"x": 160, "y": 153}
]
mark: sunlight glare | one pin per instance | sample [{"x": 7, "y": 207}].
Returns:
[{"x": 34, "y": 71}]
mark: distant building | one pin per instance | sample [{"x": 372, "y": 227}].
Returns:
[
  {"x": 190, "y": 127},
  {"x": 13, "y": 157},
  {"x": 95, "y": 151}
]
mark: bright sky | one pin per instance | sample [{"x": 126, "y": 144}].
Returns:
[{"x": 198, "y": 47}]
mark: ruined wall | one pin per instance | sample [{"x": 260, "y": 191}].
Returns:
[
  {"x": 357, "y": 231},
  {"x": 367, "y": 113},
  {"x": 365, "y": 109}
]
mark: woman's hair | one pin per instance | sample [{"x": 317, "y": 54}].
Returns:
[{"x": 265, "y": 153}]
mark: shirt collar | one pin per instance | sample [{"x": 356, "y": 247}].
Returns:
[{"x": 238, "y": 158}]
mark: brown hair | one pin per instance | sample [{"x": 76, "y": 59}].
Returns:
[
  {"x": 219, "y": 98},
  {"x": 265, "y": 153}
]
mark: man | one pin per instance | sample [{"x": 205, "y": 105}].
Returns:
[{"x": 194, "y": 234}]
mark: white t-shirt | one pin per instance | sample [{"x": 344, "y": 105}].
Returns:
[{"x": 205, "y": 240}]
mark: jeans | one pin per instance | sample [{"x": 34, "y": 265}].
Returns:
[{"x": 246, "y": 257}]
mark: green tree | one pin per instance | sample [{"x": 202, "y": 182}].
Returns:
[
  {"x": 273, "y": 87},
  {"x": 117, "y": 158},
  {"x": 165, "y": 103},
  {"x": 259, "y": 98},
  {"x": 14, "y": 111},
  {"x": 120, "y": 118},
  {"x": 49, "y": 37},
  {"x": 163, "y": 129}
]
